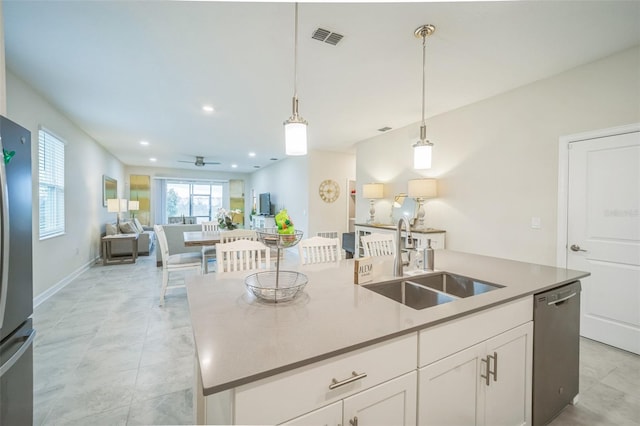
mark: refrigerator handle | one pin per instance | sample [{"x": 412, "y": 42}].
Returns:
[
  {"x": 15, "y": 357},
  {"x": 4, "y": 235}
]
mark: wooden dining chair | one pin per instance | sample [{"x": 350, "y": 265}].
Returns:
[
  {"x": 242, "y": 255},
  {"x": 319, "y": 250},
  {"x": 378, "y": 244},
  {"x": 181, "y": 262},
  {"x": 238, "y": 234},
  {"x": 208, "y": 252}
]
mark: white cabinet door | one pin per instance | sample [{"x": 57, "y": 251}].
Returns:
[
  {"x": 331, "y": 415},
  {"x": 508, "y": 395},
  {"x": 390, "y": 403},
  {"x": 455, "y": 391},
  {"x": 449, "y": 389}
]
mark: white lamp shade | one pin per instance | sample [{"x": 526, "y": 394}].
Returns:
[
  {"x": 295, "y": 138},
  {"x": 134, "y": 205},
  {"x": 422, "y": 156},
  {"x": 422, "y": 188},
  {"x": 372, "y": 190},
  {"x": 116, "y": 205}
]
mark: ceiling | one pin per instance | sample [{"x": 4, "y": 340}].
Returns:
[{"x": 127, "y": 71}]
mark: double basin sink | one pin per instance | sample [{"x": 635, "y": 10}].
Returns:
[{"x": 425, "y": 291}]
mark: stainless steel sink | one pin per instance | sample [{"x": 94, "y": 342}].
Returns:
[{"x": 431, "y": 290}]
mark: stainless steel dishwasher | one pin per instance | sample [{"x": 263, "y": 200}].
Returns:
[{"x": 556, "y": 351}]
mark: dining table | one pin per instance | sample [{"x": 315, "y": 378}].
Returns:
[{"x": 201, "y": 238}]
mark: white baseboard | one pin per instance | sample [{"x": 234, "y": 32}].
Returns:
[{"x": 62, "y": 283}]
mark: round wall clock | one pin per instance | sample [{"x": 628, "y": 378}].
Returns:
[{"x": 329, "y": 190}]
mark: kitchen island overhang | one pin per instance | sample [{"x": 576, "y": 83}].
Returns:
[{"x": 240, "y": 340}]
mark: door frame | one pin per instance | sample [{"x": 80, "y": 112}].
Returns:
[{"x": 563, "y": 181}]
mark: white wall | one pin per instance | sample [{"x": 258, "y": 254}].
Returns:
[
  {"x": 56, "y": 259},
  {"x": 339, "y": 167},
  {"x": 496, "y": 160},
  {"x": 288, "y": 182},
  {"x": 293, "y": 184}
]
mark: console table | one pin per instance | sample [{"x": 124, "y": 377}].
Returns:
[{"x": 107, "y": 257}]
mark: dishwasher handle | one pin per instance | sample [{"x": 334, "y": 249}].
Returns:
[{"x": 564, "y": 299}]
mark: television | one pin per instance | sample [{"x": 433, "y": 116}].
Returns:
[{"x": 265, "y": 204}]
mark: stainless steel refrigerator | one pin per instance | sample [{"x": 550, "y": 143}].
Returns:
[{"x": 16, "y": 291}]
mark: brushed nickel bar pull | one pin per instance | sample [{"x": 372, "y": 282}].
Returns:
[
  {"x": 487, "y": 376},
  {"x": 354, "y": 376},
  {"x": 495, "y": 366}
]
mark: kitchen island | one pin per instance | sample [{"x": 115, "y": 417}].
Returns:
[{"x": 252, "y": 356}]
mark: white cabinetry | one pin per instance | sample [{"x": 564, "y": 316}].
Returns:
[
  {"x": 488, "y": 383},
  {"x": 390, "y": 403},
  {"x": 313, "y": 389}
]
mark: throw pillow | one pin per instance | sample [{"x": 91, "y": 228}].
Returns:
[
  {"x": 127, "y": 228},
  {"x": 138, "y": 225},
  {"x": 111, "y": 229}
]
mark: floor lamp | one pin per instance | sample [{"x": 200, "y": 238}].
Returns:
[{"x": 421, "y": 189}]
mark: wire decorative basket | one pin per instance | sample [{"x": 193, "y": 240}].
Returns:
[
  {"x": 276, "y": 286},
  {"x": 270, "y": 237}
]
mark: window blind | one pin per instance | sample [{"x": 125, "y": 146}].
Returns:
[{"x": 51, "y": 184}]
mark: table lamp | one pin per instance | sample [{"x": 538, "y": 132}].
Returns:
[
  {"x": 421, "y": 189},
  {"x": 372, "y": 192},
  {"x": 134, "y": 206},
  {"x": 117, "y": 205}
]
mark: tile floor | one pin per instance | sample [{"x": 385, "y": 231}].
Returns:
[{"x": 106, "y": 353}]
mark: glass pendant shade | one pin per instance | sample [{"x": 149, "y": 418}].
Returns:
[
  {"x": 295, "y": 137},
  {"x": 422, "y": 155}
]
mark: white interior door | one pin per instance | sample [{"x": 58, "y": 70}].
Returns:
[{"x": 603, "y": 236}]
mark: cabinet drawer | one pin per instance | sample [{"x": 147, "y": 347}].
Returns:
[
  {"x": 287, "y": 395},
  {"x": 456, "y": 335}
]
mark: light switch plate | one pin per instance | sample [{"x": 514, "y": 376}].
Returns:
[{"x": 536, "y": 223}]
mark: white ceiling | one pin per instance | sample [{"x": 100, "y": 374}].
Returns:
[{"x": 127, "y": 71}]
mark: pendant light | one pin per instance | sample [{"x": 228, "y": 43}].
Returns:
[
  {"x": 422, "y": 148},
  {"x": 295, "y": 128}
]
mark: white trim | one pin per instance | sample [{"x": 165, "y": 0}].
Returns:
[
  {"x": 563, "y": 181},
  {"x": 39, "y": 299}
]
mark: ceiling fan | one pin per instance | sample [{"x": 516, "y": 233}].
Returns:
[{"x": 200, "y": 162}]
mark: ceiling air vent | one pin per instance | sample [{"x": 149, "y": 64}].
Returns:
[{"x": 327, "y": 36}]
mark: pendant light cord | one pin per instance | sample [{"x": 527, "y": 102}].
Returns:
[
  {"x": 295, "y": 54},
  {"x": 424, "y": 42}
]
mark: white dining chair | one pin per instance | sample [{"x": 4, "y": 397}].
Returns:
[
  {"x": 208, "y": 252},
  {"x": 242, "y": 255},
  {"x": 181, "y": 262},
  {"x": 319, "y": 250},
  {"x": 238, "y": 234},
  {"x": 378, "y": 244}
]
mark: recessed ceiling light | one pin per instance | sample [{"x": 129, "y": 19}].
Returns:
[
  {"x": 252, "y": 154},
  {"x": 207, "y": 108},
  {"x": 144, "y": 143},
  {"x": 233, "y": 166},
  {"x": 153, "y": 159}
]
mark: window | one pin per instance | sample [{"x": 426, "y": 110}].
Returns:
[
  {"x": 51, "y": 184},
  {"x": 193, "y": 199}
]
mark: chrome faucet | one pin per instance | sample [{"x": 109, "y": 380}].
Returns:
[{"x": 397, "y": 261}]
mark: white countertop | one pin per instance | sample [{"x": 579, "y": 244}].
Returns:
[{"x": 240, "y": 340}]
